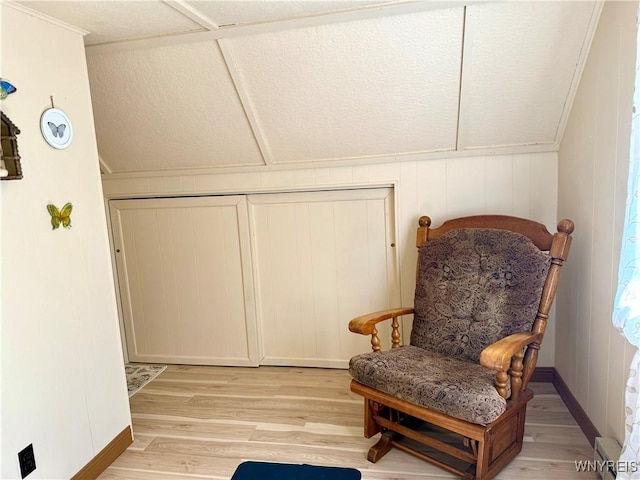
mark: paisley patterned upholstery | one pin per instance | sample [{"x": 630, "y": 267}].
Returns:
[
  {"x": 475, "y": 286},
  {"x": 460, "y": 389}
]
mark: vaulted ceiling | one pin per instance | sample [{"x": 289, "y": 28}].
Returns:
[{"x": 192, "y": 84}]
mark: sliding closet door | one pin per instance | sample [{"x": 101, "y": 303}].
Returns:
[
  {"x": 321, "y": 258},
  {"x": 184, "y": 273}
]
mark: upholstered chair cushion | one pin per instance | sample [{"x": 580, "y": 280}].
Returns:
[
  {"x": 474, "y": 287},
  {"x": 460, "y": 389}
]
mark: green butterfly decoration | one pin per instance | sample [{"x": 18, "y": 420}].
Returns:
[{"x": 62, "y": 216}]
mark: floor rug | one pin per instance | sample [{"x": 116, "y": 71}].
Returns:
[
  {"x": 286, "y": 471},
  {"x": 139, "y": 374}
]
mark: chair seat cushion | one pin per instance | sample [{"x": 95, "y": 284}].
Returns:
[{"x": 457, "y": 388}]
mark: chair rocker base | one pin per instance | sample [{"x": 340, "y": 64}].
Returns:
[{"x": 475, "y": 452}]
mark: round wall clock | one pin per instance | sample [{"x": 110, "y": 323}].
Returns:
[{"x": 56, "y": 128}]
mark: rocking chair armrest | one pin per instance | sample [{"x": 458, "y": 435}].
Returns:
[
  {"x": 365, "y": 324},
  {"x": 497, "y": 356}
]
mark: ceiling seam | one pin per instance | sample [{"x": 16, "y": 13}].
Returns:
[
  {"x": 104, "y": 166},
  {"x": 43, "y": 16},
  {"x": 463, "y": 50},
  {"x": 192, "y": 14},
  {"x": 245, "y": 101},
  {"x": 241, "y": 30},
  {"x": 337, "y": 162},
  {"x": 577, "y": 74}
]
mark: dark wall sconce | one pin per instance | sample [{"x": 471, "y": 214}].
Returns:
[{"x": 10, "y": 168}]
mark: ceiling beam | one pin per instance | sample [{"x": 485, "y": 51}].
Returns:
[
  {"x": 340, "y": 162},
  {"x": 465, "y": 74},
  {"x": 463, "y": 56},
  {"x": 577, "y": 74},
  {"x": 104, "y": 167},
  {"x": 188, "y": 11},
  {"x": 401, "y": 7},
  {"x": 245, "y": 101}
]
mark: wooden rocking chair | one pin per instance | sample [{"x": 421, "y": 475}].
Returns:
[{"x": 457, "y": 395}]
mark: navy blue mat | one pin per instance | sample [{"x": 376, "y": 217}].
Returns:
[{"x": 287, "y": 471}]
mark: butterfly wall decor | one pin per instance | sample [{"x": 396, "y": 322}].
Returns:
[
  {"x": 60, "y": 217},
  {"x": 57, "y": 130},
  {"x": 6, "y": 87}
]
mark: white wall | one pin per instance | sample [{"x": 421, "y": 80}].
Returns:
[
  {"x": 63, "y": 383},
  {"x": 522, "y": 185},
  {"x": 591, "y": 356}
]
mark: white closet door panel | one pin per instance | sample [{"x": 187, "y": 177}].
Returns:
[
  {"x": 322, "y": 258},
  {"x": 184, "y": 271}
]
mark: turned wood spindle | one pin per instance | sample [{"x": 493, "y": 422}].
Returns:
[
  {"x": 501, "y": 383},
  {"x": 395, "y": 333},
  {"x": 516, "y": 374},
  {"x": 375, "y": 340}
]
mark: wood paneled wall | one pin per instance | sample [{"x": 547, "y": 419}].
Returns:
[
  {"x": 520, "y": 184},
  {"x": 591, "y": 356}
]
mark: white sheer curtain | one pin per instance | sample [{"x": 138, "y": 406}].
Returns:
[{"x": 626, "y": 313}]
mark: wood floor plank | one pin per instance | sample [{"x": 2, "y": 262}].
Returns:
[
  {"x": 297, "y": 404},
  {"x": 294, "y": 438},
  {"x": 552, "y": 434},
  {"x": 163, "y": 386},
  {"x": 196, "y": 422},
  {"x": 259, "y": 451},
  {"x": 141, "y": 441},
  {"x": 548, "y": 410},
  {"x": 556, "y": 452},
  {"x": 155, "y": 461},
  {"x": 116, "y": 473},
  {"x": 186, "y": 428},
  {"x": 520, "y": 469},
  {"x": 397, "y": 463},
  {"x": 143, "y": 397},
  {"x": 334, "y": 393},
  {"x": 369, "y": 475},
  {"x": 542, "y": 388},
  {"x": 254, "y": 416},
  {"x": 547, "y": 403},
  {"x": 554, "y": 418}
]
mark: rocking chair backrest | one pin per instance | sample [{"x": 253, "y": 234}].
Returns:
[{"x": 482, "y": 278}]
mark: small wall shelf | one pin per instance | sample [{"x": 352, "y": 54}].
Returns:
[{"x": 9, "y": 156}]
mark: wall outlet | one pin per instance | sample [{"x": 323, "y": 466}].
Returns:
[{"x": 27, "y": 461}]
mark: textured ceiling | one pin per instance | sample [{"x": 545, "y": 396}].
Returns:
[
  {"x": 193, "y": 84},
  {"x": 108, "y": 21},
  {"x": 371, "y": 87},
  {"x": 148, "y": 115},
  {"x": 520, "y": 64}
]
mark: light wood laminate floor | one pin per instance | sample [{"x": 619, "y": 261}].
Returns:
[{"x": 196, "y": 422}]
